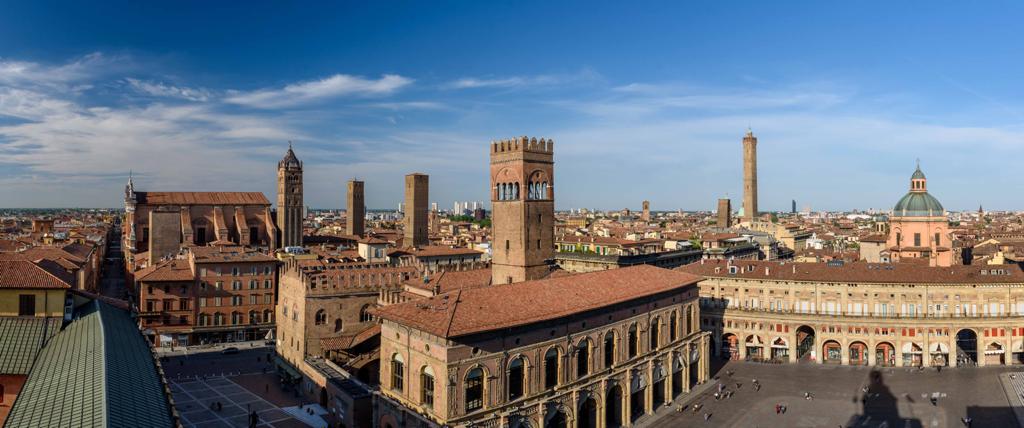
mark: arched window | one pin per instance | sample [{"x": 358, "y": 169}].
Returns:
[
  {"x": 609, "y": 349},
  {"x": 551, "y": 368},
  {"x": 515, "y": 191},
  {"x": 655, "y": 327},
  {"x": 516, "y": 378},
  {"x": 633, "y": 343},
  {"x": 364, "y": 314},
  {"x": 204, "y": 319},
  {"x": 583, "y": 358},
  {"x": 673, "y": 325},
  {"x": 254, "y": 317},
  {"x": 397, "y": 372},
  {"x": 474, "y": 389},
  {"x": 321, "y": 317},
  {"x": 427, "y": 387},
  {"x": 544, "y": 190},
  {"x": 337, "y": 325},
  {"x": 689, "y": 319},
  {"x": 268, "y": 316}
]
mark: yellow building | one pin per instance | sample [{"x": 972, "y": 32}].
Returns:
[{"x": 33, "y": 288}]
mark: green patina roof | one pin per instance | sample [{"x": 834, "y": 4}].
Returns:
[
  {"x": 918, "y": 175},
  {"x": 23, "y": 338},
  {"x": 918, "y": 204},
  {"x": 98, "y": 371}
]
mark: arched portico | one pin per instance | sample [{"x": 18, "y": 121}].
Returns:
[
  {"x": 805, "y": 342},
  {"x": 858, "y": 354},
  {"x": 885, "y": 354},
  {"x": 967, "y": 347}
]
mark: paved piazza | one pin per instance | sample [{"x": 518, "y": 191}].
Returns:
[
  {"x": 901, "y": 397},
  {"x": 240, "y": 382}
]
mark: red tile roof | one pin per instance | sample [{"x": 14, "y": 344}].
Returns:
[
  {"x": 167, "y": 270},
  {"x": 202, "y": 198},
  {"x": 29, "y": 274},
  {"x": 475, "y": 310}
]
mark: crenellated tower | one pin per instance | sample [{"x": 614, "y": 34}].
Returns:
[
  {"x": 523, "y": 209},
  {"x": 289, "y": 199}
]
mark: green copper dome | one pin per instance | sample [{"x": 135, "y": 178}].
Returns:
[
  {"x": 918, "y": 204},
  {"x": 918, "y": 175}
]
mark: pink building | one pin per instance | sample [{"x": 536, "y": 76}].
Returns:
[{"x": 918, "y": 227}]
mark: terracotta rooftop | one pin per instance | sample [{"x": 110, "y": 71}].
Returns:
[
  {"x": 218, "y": 254},
  {"x": 434, "y": 251},
  {"x": 202, "y": 198},
  {"x": 167, "y": 270},
  {"x": 30, "y": 274},
  {"x": 901, "y": 272},
  {"x": 454, "y": 280},
  {"x": 476, "y": 310}
]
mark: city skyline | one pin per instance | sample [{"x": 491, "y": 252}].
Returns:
[{"x": 664, "y": 106}]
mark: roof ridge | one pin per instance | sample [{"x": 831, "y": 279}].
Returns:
[{"x": 451, "y": 316}]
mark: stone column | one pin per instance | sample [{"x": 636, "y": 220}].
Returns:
[
  {"x": 649, "y": 391},
  {"x": 898, "y": 352},
  {"x": 871, "y": 353},
  {"x": 844, "y": 353},
  {"x": 952, "y": 348}
]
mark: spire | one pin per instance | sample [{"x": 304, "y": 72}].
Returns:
[{"x": 290, "y": 160}]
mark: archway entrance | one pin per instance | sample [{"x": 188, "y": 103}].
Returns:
[
  {"x": 588, "y": 414},
  {"x": 658, "y": 393},
  {"x": 730, "y": 347},
  {"x": 637, "y": 395},
  {"x": 966, "y": 347},
  {"x": 556, "y": 418},
  {"x": 832, "y": 352},
  {"x": 613, "y": 407},
  {"x": 780, "y": 350},
  {"x": 858, "y": 354},
  {"x": 913, "y": 356},
  {"x": 755, "y": 348},
  {"x": 885, "y": 355},
  {"x": 994, "y": 354},
  {"x": 677, "y": 375},
  {"x": 804, "y": 342},
  {"x": 939, "y": 354}
]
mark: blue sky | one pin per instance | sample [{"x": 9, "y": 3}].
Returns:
[{"x": 643, "y": 100}]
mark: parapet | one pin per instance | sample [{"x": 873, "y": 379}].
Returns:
[{"x": 523, "y": 144}]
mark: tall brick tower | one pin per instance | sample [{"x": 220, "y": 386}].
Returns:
[
  {"x": 724, "y": 213},
  {"x": 355, "y": 209},
  {"x": 289, "y": 199},
  {"x": 416, "y": 193},
  {"x": 523, "y": 207},
  {"x": 750, "y": 176},
  {"x": 646, "y": 215}
]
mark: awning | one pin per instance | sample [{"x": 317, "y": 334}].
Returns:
[
  {"x": 994, "y": 352},
  {"x": 1018, "y": 346},
  {"x": 911, "y": 348},
  {"x": 779, "y": 342},
  {"x": 754, "y": 341},
  {"x": 287, "y": 368},
  {"x": 940, "y": 348}
]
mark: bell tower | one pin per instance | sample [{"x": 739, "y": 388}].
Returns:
[
  {"x": 523, "y": 209},
  {"x": 289, "y": 199}
]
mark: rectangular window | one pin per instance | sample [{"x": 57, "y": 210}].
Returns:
[
  {"x": 252, "y": 284},
  {"x": 218, "y": 301},
  {"x": 266, "y": 284},
  {"x": 183, "y": 304},
  {"x": 253, "y": 299},
  {"x": 26, "y": 305},
  {"x": 937, "y": 242},
  {"x": 202, "y": 302},
  {"x": 268, "y": 298},
  {"x": 236, "y": 285},
  {"x": 917, "y": 239}
]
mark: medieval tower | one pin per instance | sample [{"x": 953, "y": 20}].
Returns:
[
  {"x": 749, "y": 176},
  {"x": 289, "y": 199},
  {"x": 417, "y": 187},
  {"x": 523, "y": 209},
  {"x": 355, "y": 209}
]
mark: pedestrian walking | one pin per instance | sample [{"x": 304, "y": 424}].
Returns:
[
  {"x": 778, "y": 409},
  {"x": 707, "y": 416}
]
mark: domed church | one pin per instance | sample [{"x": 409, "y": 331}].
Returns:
[{"x": 918, "y": 226}]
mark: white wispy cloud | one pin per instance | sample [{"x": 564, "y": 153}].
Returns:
[
  {"x": 305, "y": 92},
  {"x": 159, "y": 89},
  {"x": 585, "y": 75}
]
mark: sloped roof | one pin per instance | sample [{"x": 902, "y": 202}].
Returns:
[
  {"x": 98, "y": 371},
  {"x": 23, "y": 338},
  {"x": 35, "y": 275},
  {"x": 201, "y": 198},
  {"x": 166, "y": 270},
  {"x": 476, "y": 310}
]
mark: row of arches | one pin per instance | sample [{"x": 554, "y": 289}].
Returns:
[
  {"x": 884, "y": 353},
  {"x": 534, "y": 191}
]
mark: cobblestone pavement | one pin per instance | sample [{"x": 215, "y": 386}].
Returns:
[
  {"x": 895, "y": 398},
  {"x": 193, "y": 400}
]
